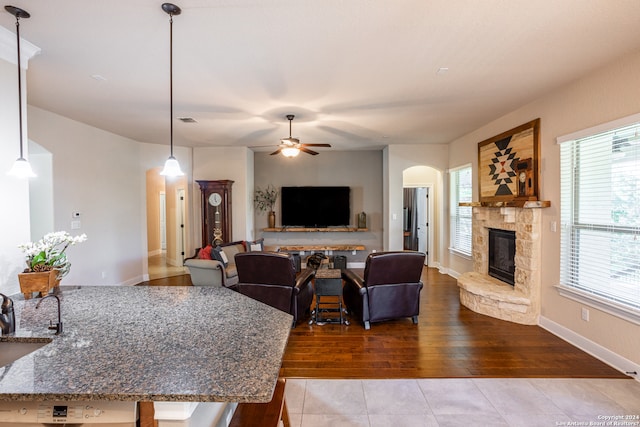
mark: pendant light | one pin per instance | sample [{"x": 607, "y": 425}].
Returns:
[
  {"x": 21, "y": 168},
  {"x": 171, "y": 166}
]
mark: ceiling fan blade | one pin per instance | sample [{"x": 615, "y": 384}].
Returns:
[
  {"x": 315, "y": 145},
  {"x": 306, "y": 150},
  {"x": 276, "y": 152}
]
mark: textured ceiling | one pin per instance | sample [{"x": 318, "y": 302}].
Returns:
[{"x": 356, "y": 73}]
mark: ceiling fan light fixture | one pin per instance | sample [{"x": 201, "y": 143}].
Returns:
[
  {"x": 21, "y": 168},
  {"x": 290, "y": 151},
  {"x": 171, "y": 166}
]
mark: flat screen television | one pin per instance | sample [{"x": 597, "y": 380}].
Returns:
[{"x": 315, "y": 206}]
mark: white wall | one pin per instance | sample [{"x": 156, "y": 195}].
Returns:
[
  {"x": 14, "y": 216},
  {"x": 604, "y": 95},
  {"x": 98, "y": 174},
  {"x": 398, "y": 159},
  {"x": 41, "y": 191}
]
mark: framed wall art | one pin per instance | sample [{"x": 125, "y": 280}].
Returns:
[{"x": 508, "y": 165}]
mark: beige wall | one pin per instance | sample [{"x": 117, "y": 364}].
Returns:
[
  {"x": 398, "y": 159},
  {"x": 601, "y": 96},
  {"x": 361, "y": 171},
  {"x": 97, "y": 174},
  {"x": 103, "y": 176},
  {"x": 425, "y": 176},
  {"x": 155, "y": 185},
  {"x": 235, "y": 164}
]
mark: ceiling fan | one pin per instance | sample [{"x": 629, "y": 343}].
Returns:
[{"x": 291, "y": 147}]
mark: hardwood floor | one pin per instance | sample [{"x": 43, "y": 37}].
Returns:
[{"x": 450, "y": 341}]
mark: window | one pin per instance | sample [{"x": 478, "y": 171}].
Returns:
[
  {"x": 600, "y": 216},
  {"x": 461, "y": 191}
]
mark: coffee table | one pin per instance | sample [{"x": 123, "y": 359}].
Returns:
[{"x": 328, "y": 283}]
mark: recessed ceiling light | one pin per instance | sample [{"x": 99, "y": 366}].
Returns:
[
  {"x": 98, "y": 77},
  {"x": 187, "y": 120},
  {"x": 442, "y": 70}
]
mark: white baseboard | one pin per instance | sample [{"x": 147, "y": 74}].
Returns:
[
  {"x": 596, "y": 350},
  {"x": 448, "y": 271},
  {"x": 135, "y": 280}
]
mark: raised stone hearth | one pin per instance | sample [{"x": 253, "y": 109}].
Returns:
[{"x": 486, "y": 295}]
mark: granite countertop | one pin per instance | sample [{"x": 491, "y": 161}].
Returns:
[{"x": 148, "y": 343}]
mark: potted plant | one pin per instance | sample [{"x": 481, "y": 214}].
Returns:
[
  {"x": 265, "y": 200},
  {"x": 47, "y": 262}
]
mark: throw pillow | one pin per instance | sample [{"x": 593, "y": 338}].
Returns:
[
  {"x": 255, "y": 246},
  {"x": 205, "y": 253},
  {"x": 219, "y": 255}
]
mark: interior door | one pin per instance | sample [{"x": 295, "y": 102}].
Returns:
[{"x": 182, "y": 237}]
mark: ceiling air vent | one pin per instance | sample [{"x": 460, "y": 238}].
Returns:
[{"x": 187, "y": 119}]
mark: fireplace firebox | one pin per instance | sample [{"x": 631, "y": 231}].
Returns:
[{"x": 502, "y": 251}]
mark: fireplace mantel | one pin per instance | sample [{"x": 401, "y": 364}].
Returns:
[{"x": 524, "y": 204}]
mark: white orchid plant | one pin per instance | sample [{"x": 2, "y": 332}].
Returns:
[{"x": 49, "y": 252}]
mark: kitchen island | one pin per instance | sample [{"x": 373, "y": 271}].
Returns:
[{"x": 143, "y": 343}]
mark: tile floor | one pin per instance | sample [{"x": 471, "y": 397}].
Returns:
[{"x": 536, "y": 402}]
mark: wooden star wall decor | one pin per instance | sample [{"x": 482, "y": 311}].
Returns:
[{"x": 508, "y": 166}]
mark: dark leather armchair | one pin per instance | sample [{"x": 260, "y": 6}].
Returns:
[
  {"x": 390, "y": 288},
  {"x": 270, "y": 277}
]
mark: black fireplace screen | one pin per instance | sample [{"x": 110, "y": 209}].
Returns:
[{"x": 502, "y": 252}]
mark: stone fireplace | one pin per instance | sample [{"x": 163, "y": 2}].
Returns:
[{"x": 482, "y": 293}]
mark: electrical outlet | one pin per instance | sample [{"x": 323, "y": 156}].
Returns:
[
  {"x": 75, "y": 225},
  {"x": 585, "y": 314}
]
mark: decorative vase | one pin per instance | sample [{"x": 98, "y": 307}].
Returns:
[
  {"x": 362, "y": 220},
  {"x": 272, "y": 219},
  {"x": 41, "y": 282}
]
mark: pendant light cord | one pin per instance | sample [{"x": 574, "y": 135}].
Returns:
[
  {"x": 171, "y": 79},
  {"x": 19, "y": 83}
]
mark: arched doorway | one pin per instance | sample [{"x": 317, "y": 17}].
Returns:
[
  {"x": 421, "y": 185},
  {"x": 166, "y": 224}
]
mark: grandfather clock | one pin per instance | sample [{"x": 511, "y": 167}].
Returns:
[{"x": 216, "y": 211}]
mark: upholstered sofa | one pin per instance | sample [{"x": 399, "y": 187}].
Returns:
[{"x": 216, "y": 266}]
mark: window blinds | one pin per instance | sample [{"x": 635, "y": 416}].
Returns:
[
  {"x": 461, "y": 191},
  {"x": 600, "y": 214}
]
